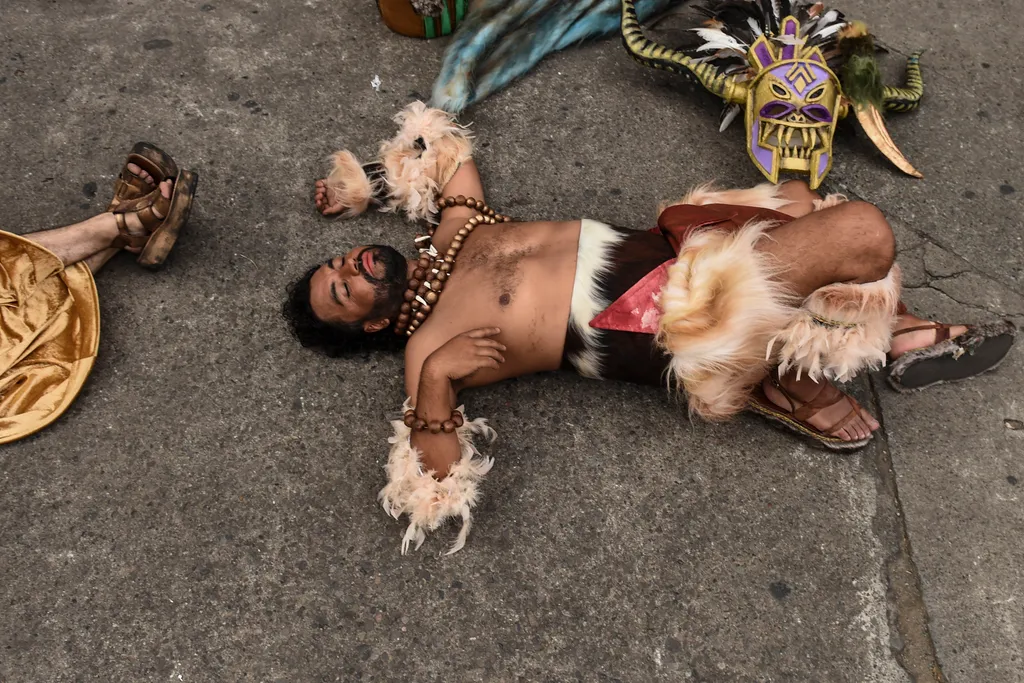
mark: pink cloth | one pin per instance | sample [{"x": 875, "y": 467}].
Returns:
[{"x": 638, "y": 310}]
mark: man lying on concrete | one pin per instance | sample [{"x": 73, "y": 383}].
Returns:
[
  {"x": 49, "y": 311},
  {"x": 740, "y": 299}
]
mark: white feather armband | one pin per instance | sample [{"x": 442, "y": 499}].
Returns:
[{"x": 427, "y": 501}]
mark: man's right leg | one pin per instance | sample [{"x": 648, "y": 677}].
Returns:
[{"x": 850, "y": 243}]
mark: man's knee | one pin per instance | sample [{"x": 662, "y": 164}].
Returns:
[{"x": 872, "y": 238}]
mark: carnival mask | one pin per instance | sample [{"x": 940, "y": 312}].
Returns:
[{"x": 776, "y": 71}]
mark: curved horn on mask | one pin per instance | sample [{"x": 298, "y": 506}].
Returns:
[
  {"x": 871, "y": 120},
  {"x": 909, "y": 97},
  {"x": 650, "y": 53}
]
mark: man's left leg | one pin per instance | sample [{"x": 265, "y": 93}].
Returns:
[{"x": 923, "y": 352}]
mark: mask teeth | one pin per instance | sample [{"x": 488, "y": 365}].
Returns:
[
  {"x": 805, "y": 135},
  {"x": 788, "y": 135},
  {"x": 814, "y": 138}
]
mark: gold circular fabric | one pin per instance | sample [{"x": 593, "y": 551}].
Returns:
[{"x": 49, "y": 335}]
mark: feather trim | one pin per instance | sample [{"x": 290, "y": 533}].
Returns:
[
  {"x": 421, "y": 159},
  {"x": 349, "y": 184},
  {"x": 841, "y": 330},
  {"x": 715, "y": 39},
  {"x": 429, "y": 502}
]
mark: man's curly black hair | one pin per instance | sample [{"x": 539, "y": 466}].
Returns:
[{"x": 332, "y": 339}]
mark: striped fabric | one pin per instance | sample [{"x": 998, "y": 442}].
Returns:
[{"x": 445, "y": 25}]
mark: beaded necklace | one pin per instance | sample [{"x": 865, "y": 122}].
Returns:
[{"x": 433, "y": 268}]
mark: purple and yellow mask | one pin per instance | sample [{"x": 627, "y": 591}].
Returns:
[
  {"x": 791, "y": 98},
  {"x": 793, "y": 104}
]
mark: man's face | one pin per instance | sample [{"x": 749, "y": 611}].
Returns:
[{"x": 348, "y": 288}]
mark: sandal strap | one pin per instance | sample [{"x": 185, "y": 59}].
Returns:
[
  {"x": 126, "y": 189},
  {"x": 138, "y": 203},
  {"x": 941, "y": 331},
  {"x": 158, "y": 173},
  {"x": 810, "y": 408},
  {"x": 129, "y": 186},
  {"x": 854, "y": 409},
  {"x": 817, "y": 404},
  {"x": 147, "y": 209},
  {"x": 782, "y": 390},
  {"x": 125, "y": 238}
]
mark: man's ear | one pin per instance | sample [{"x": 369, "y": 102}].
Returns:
[{"x": 371, "y": 326}]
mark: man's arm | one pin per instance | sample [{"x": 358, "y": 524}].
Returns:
[
  {"x": 451, "y": 457},
  {"x": 465, "y": 182},
  {"x": 434, "y": 398},
  {"x": 430, "y": 383}
]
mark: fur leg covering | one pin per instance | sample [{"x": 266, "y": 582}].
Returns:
[
  {"x": 421, "y": 159},
  {"x": 427, "y": 501},
  {"x": 720, "y": 307},
  {"x": 841, "y": 329}
]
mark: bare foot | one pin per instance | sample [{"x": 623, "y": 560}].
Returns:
[
  {"x": 326, "y": 200},
  {"x": 911, "y": 341},
  {"x": 131, "y": 220},
  {"x": 806, "y": 390}
]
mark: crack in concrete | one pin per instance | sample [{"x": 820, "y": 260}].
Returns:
[
  {"x": 844, "y": 188},
  {"x": 977, "y": 307},
  {"x": 937, "y": 278},
  {"x": 908, "y": 614}
]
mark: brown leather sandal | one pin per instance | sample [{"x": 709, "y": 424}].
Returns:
[
  {"x": 162, "y": 219},
  {"x": 949, "y": 359},
  {"x": 154, "y": 161},
  {"x": 163, "y": 238},
  {"x": 796, "y": 419}
]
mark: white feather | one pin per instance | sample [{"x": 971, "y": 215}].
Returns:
[
  {"x": 826, "y": 32},
  {"x": 718, "y": 40},
  {"x": 755, "y": 29},
  {"x": 790, "y": 40}
]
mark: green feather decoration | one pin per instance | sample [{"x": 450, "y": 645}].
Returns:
[
  {"x": 861, "y": 77},
  {"x": 862, "y": 81}
]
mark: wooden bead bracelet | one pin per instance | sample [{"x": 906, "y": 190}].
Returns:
[{"x": 418, "y": 424}]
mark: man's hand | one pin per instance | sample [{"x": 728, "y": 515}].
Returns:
[{"x": 463, "y": 355}]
